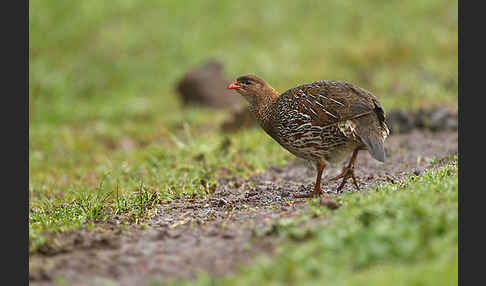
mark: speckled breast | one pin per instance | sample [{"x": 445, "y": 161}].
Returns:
[{"x": 312, "y": 142}]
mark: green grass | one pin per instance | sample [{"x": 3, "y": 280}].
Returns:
[
  {"x": 395, "y": 234},
  {"x": 74, "y": 192},
  {"x": 108, "y": 135}
]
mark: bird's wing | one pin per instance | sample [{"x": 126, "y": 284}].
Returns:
[{"x": 329, "y": 102}]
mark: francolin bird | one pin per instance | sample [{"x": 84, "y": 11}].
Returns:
[{"x": 322, "y": 121}]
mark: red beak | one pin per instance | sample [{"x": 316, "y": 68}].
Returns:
[{"x": 234, "y": 85}]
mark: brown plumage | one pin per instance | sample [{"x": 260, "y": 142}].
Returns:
[{"x": 322, "y": 121}]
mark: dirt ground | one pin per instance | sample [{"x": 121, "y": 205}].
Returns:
[{"x": 215, "y": 234}]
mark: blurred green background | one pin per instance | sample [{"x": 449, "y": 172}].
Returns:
[
  {"x": 104, "y": 113},
  {"x": 118, "y": 61}
]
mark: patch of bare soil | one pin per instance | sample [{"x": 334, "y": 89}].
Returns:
[{"x": 215, "y": 234}]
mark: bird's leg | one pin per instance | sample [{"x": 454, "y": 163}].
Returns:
[
  {"x": 348, "y": 171},
  {"x": 317, "y": 186}
]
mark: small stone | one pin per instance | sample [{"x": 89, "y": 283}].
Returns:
[
  {"x": 227, "y": 235},
  {"x": 284, "y": 193},
  {"x": 221, "y": 202},
  {"x": 329, "y": 203}
]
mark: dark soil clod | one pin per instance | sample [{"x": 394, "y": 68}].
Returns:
[
  {"x": 329, "y": 203},
  {"x": 205, "y": 85}
]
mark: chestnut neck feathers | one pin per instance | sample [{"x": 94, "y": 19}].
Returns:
[{"x": 260, "y": 96}]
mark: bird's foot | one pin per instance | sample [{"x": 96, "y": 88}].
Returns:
[
  {"x": 347, "y": 172},
  {"x": 315, "y": 192}
]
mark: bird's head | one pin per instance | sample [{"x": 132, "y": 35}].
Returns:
[{"x": 252, "y": 88}]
